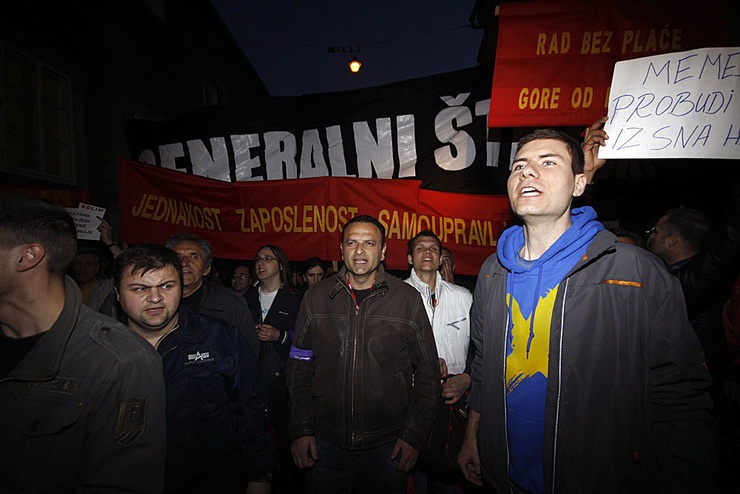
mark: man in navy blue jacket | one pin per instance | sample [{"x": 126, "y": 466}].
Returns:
[{"x": 216, "y": 438}]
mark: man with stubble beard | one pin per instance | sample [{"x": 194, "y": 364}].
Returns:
[
  {"x": 363, "y": 373},
  {"x": 216, "y": 439}
]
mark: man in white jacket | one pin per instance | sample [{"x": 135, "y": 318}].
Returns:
[{"x": 448, "y": 309}]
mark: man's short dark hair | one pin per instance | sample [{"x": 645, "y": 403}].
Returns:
[
  {"x": 635, "y": 236},
  {"x": 691, "y": 225},
  {"x": 366, "y": 218},
  {"x": 423, "y": 233},
  {"x": 144, "y": 258},
  {"x": 577, "y": 160},
  {"x": 204, "y": 244},
  {"x": 441, "y": 252},
  {"x": 25, "y": 220},
  {"x": 313, "y": 262},
  {"x": 243, "y": 265},
  {"x": 85, "y": 247}
]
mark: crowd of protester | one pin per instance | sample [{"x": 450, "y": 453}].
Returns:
[{"x": 583, "y": 360}]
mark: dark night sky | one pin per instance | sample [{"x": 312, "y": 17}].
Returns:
[{"x": 287, "y": 41}]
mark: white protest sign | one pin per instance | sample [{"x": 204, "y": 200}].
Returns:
[
  {"x": 86, "y": 223},
  {"x": 89, "y": 207},
  {"x": 678, "y": 105},
  {"x": 97, "y": 212}
]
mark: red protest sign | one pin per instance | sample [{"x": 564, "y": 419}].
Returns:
[{"x": 554, "y": 60}]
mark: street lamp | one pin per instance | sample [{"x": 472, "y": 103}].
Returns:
[{"x": 355, "y": 65}]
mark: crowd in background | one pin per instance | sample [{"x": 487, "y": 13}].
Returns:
[{"x": 275, "y": 334}]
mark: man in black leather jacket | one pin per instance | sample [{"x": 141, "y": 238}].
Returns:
[{"x": 363, "y": 373}]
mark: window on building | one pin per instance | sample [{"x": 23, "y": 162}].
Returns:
[{"x": 36, "y": 119}]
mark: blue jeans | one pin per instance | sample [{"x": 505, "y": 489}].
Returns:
[{"x": 340, "y": 470}]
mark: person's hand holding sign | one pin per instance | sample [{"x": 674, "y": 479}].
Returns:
[{"x": 593, "y": 137}]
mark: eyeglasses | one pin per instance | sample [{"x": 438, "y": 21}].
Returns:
[
  {"x": 240, "y": 276},
  {"x": 264, "y": 259}
]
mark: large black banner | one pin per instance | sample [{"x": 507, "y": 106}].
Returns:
[{"x": 432, "y": 129}]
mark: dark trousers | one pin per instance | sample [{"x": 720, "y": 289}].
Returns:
[
  {"x": 367, "y": 471},
  {"x": 288, "y": 478}
]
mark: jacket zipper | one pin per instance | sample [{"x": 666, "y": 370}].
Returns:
[
  {"x": 557, "y": 402},
  {"x": 577, "y": 268},
  {"x": 560, "y": 377},
  {"x": 168, "y": 351},
  {"x": 505, "y": 407},
  {"x": 353, "y": 434}
]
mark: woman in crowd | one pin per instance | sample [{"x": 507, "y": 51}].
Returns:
[{"x": 274, "y": 304}]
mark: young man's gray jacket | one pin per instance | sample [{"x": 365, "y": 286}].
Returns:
[
  {"x": 84, "y": 411},
  {"x": 627, "y": 408},
  {"x": 374, "y": 374}
]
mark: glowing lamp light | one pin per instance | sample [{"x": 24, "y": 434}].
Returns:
[{"x": 355, "y": 65}]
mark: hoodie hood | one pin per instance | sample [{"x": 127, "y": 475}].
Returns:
[
  {"x": 528, "y": 281},
  {"x": 576, "y": 238}
]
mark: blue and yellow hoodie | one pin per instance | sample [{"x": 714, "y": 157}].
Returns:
[{"x": 531, "y": 289}]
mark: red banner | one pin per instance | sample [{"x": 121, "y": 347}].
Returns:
[
  {"x": 304, "y": 216},
  {"x": 554, "y": 60}
]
